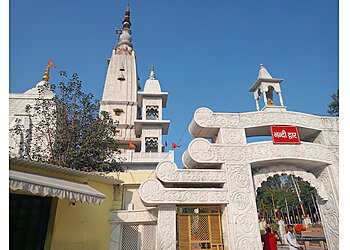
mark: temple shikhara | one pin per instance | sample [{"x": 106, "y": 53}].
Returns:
[{"x": 209, "y": 201}]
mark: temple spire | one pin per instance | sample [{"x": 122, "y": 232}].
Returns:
[
  {"x": 126, "y": 22},
  {"x": 125, "y": 33},
  {"x": 152, "y": 76}
]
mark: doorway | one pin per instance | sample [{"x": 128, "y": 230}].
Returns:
[
  {"x": 29, "y": 216},
  {"x": 199, "y": 227}
]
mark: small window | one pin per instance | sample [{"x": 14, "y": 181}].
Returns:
[
  {"x": 118, "y": 111},
  {"x": 152, "y": 113},
  {"x": 151, "y": 144}
]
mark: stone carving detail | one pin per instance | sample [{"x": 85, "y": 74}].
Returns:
[
  {"x": 201, "y": 150},
  {"x": 123, "y": 216},
  {"x": 333, "y": 138},
  {"x": 166, "y": 228},
  {"x": 308, "y": 151},
  {"x": 167, "y": 171},
  {"x": 329, "y": 213},
  {"x": 242, "y": 207},
  {"x": 232, "y": 136},
  {"x": 204, "y": 117},
  {"x": 152, "y": 192}
]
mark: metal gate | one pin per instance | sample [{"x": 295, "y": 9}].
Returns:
[{"x": 199, "y": 228}]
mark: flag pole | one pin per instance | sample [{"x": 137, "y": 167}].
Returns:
[
  {"x": 319, "y": 218},
  {"x": 287, "y": 211}
]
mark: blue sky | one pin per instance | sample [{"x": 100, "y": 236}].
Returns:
[{"x": 206, "y": 53}]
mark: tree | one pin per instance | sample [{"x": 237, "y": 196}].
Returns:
[
  {"x": 333, "y": 107},
  {"x": 76, "y": 135},
  {"x": 281, "y": 188}
]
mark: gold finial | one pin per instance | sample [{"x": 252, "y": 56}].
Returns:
[{"x": 46, "y": 76}]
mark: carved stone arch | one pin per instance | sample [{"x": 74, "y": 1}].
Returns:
[{"x": 264, "y": 173}]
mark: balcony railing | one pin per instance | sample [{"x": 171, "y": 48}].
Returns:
[{"x": 131, "y": 156}]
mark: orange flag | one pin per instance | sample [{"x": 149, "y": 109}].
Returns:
[
  {"x": 50, "y": 63},
  {"x": 132, "y": 145}
]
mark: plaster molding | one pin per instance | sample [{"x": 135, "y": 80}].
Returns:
[
  {"x": 136, "y": 216},
  {"x": 152, "y": 192},
  {"x": 167, "y": 171}
]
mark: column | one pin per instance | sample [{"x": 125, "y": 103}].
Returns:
[
  {"x": 242, "y": 213},
  {"x": 166, "y": 227},
  {"x": 257, "y": 104},
  {"x": 329, "y": 211},
  {"x": 281, "y": 100}
]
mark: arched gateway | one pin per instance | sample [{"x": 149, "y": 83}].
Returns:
[{"x": 218, "y": 178}]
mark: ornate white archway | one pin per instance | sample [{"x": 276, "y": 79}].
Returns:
[{"x": 264, "y": 173}]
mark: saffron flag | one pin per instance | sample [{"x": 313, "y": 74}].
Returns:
[
  {"x": 174, "y": 145},
  {"x": 131, "y": 145},
  {"x": 51, "y": 64}
]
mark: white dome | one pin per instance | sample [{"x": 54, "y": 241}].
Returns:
[{"x": 152, "y": 86}]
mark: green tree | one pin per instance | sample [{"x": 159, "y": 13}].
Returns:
[
  {"x": 77, "y": 135},
  {"x": 280, "y": 188},
  {"x": 333, "y": 107}
]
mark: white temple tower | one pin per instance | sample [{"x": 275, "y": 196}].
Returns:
[
  {"x": 140, "y": 131},
  {"x": 121, "y": 86}
]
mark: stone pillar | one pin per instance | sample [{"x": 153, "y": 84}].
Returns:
[
  {"x": 281, "y": 100},
  {"x": 329, "y": 211},
  {"x": 242, "y": 213},
  {"x": 257, "y": 104},
  {"x": 114, "y": 239},
  {"x": 166, "y": 227}
]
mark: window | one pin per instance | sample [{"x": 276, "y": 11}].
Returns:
[
  {"x": 152, "y": 113},
  {"x": 151, "y": 144}
]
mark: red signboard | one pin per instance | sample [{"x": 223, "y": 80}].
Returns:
[{"x": 285, "y": 135}]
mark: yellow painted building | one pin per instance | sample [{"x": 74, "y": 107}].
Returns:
[{"x": 75, "y": 218}]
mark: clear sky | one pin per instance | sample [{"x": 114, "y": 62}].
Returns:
[{"x": 206, "y": 53}]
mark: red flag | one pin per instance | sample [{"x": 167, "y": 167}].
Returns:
[
  {"x": 51, "y": 64},
  {"x": 131, "y": 145},
  {"x": 174, "y": 145}
]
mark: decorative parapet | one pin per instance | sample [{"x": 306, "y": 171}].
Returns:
[
  {"x": 201, "y": 151},
  {"x": 148, "y": 157},
  {"x": 206, "y": 123},
  {"x": 139, "y": 216},
  {"x": 152, "y": 192},
  {"x": 167, "y": 171}
]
